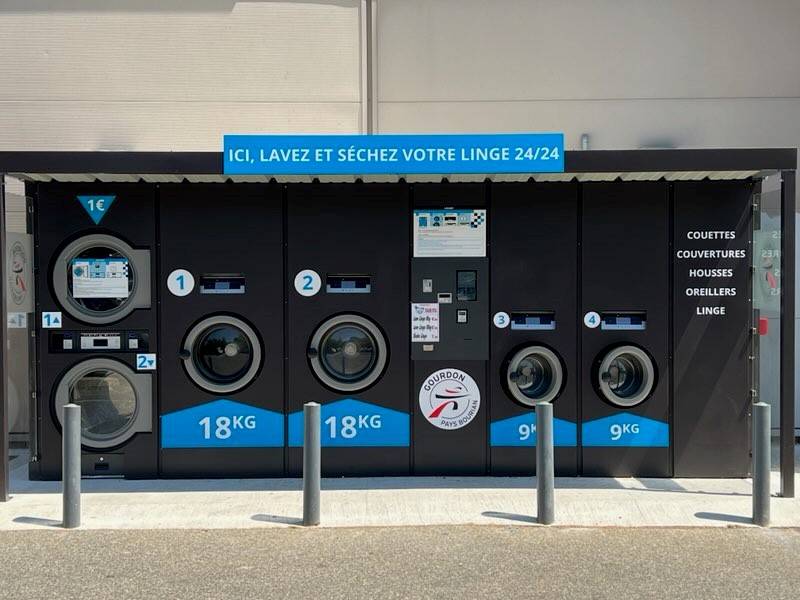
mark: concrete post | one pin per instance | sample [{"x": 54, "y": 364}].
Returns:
[
  {"x": 71, "y": 466},
  {"x": 761, "y": 463},
  {"x": 312, "y": 463},
  {"x": 545, "y": 478}
]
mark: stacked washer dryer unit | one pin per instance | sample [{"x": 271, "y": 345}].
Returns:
[
  {"x": 221, "y": 271},
  {"x": 450, "y": 328},
  {"x": 96, "y": 326},
  {"x": 625, "y": 386},
  {"x": 347, "y": 324},
  {"x": 534, "y": 260}
]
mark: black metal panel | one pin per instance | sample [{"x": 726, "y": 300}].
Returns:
[
  {"x": 60, "y": 219},
  {"x": 222, "y": 229},
  {"x": 712, "y": 350},
  {"x": 705, "y": 159},
  {"x": 458, "y": 340},
  {"x": 460, "y": 451},
  {"x": 174, "y": 163},
  {"x": 534, "y": 268},
  {"x": 575, "y": 161},
  {"x": 462, "y": 347},
  {"x": 625, "y": 268},
  {"x": 356, "y": 229}
]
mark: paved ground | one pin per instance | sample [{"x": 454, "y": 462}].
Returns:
[
  {"x": 411, "y": 562},
  {"x": 409, "y": 501}
]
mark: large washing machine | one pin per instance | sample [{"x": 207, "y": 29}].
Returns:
[
  {"x": 450, "y": 328},
  {"x": 534, "y": 294},
  {"x": 96, "y": 326},
  {"x": 221, "y": 362},
  {"x": 348, "y": 325},
  {"x": 625, "y": 381}
]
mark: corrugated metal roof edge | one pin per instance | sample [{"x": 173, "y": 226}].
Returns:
[{"x": 421, "y": 178}]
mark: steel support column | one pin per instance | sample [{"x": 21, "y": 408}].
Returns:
[
  {"x": 787, "y": 334},
  {"x": 4, "y": 408}
]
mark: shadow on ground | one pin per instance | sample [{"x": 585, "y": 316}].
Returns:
[
  {"x": 712, "y": 516},
  {"x": 509, "y": 516}
]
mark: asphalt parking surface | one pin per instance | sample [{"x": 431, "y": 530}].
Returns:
[{"x": 409, "y": 562}]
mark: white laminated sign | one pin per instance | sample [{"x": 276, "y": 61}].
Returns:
[
  {"x": 100, "y": 278},
  {"x": 457, "y": 232},
  {"x": 425, "y": 322}
]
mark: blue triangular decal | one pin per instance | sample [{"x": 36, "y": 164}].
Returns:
[{"x": 96, "y": 206}]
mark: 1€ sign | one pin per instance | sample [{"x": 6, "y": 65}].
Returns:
[{"x": 96, "y": 206}]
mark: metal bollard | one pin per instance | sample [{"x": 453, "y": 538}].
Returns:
[
  {"x": 761, "y": 463},
  {"x": 545, "y": 478},
  {"x": 312, "y": 463},
  {"x": 71, "y": 466}
]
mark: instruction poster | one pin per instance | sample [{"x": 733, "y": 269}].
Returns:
[
  {"x": 425, "y": 322},
  {"x": 456, "y": 232},
  {"x": 100, "y": 278}
]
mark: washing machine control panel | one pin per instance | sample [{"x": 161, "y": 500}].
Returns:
[
  {"x": 99, "y": 341},
  {"x": 457, "y": 288}
]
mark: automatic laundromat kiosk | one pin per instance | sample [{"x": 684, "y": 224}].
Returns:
[{"x": 434, "y": 310}]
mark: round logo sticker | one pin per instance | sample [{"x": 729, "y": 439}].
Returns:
[
  {"x": 449, "y": 399},
  {"x": 591, "y": 319},
  {"x": 501, "y": 320},
  {"x": 180, "y": 282},
  {"x": 307, "y": 282}
]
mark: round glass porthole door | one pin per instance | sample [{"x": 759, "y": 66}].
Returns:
[
  {"x": 348, "y": 353},
  {"x": 115, "y": 402},
  {"x": 626, "y": 376},
  {"x": 100, "y": 279},
  {"x": 222, "y": 354},
  {"x": 534, "y": 374}
]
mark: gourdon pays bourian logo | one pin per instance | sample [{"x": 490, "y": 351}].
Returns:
[{"x": 449, "y": 399}]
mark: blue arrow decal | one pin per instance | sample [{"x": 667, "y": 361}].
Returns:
[
  {"x": 222, "y": 423},
  {"x": 353, "y": 423},
  {"x": 627, "y": 430},
  {"x": 521, "y": 431},
  {"x": 96, "y": 206}
]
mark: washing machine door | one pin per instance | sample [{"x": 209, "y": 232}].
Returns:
[
  {"x": 348, "y": 353},
  {"x": 222, "y": 354},
  {"x": 100, "y": 279},
  {"x": 534, "y": 374},
  {"x": 116, "y": 402},
  {"x": 626, "y": 376}
]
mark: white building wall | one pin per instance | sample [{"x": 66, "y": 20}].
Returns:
[
  {"x": 147, "y": 75},
  {"x": 630, "y": 73}
]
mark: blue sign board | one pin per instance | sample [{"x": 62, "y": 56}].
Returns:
[
  {"x": 222, "y": 423},
  {"x": 393, "y": 154},
  {"x": 96, "y": 206},
  {"x": 625, "y": 430},
  {"x": 521, "y": 431},
  {"x": 353, "y": 423}
]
